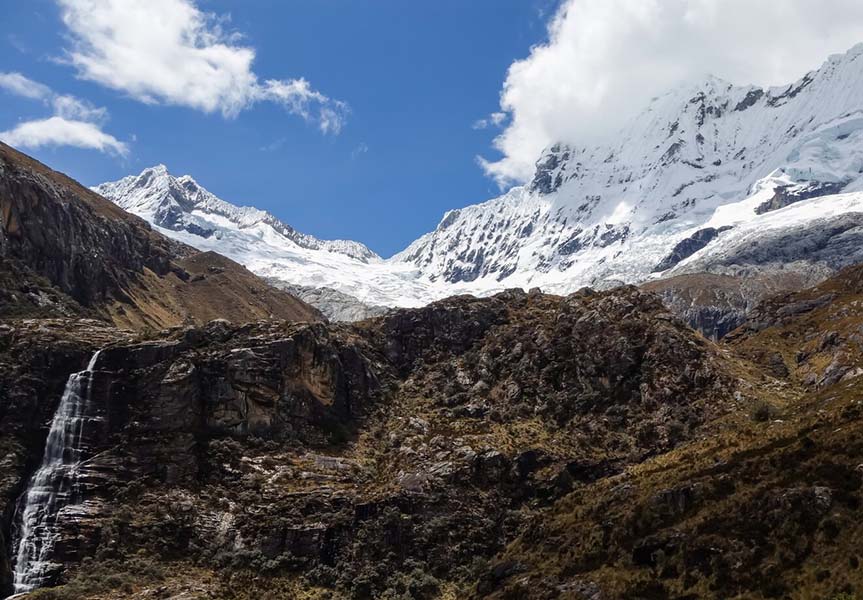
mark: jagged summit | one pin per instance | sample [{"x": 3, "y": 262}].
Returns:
[
  {"x": 182, "y": 204},
  {"x": 183, "y": 209},
  {"x": 694, "y": 157},
  {"x": 703, "y": 172}
]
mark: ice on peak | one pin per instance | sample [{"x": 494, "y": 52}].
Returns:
[
  {"x": 705, "y": 154},
  {"x": 182, "y": 204},
  {"x": 701, "y": 146}
]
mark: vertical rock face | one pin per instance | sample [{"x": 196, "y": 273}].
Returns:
[
  {"x": 356, "y": 448},
  {"x": 80, "y": 242},
  {"x": 36, "y": 360},
  {"x": 686, "y": 248},
  {"x": 146, "y": 411},
  {"x": 62, "y": 244}
]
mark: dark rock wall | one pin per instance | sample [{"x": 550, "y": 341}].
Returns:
[{"x": 89, "y": 249}]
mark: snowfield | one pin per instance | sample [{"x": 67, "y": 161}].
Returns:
[{"x": 706, "y": 173}]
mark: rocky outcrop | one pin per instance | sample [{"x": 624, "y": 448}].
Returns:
[
  {"x": 349, "y": 453},
  {"x": 816, "y": 249},
  {"x": 786, "y": 195},
  {"x": 758, "y": 510},
  {"x": 716, "y": 304},
  {"x": 54, "y": 233},
  {"x": 36, "y": 358},
  {"x": 81, "y": 243},
  {"x": 689, "y": 246},
  {"x": 157, "y": 403},
  {"x": 717, "y": 288}
]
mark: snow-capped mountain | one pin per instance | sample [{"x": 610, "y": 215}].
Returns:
[
  {"x": 708, "y": 155},
  {"x": 180, "y": 204},
  {"x": 182, "y": 209},
  {"x": 709, "y": 177}
]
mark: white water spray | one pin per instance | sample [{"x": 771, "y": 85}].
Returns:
[{"x": 54, "y": 485}]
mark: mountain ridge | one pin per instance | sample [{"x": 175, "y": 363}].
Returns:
[
  {"x": 684, "y": 163},
  {"x": 186, "y": 196},
  {"x": 66, "y": 250},
  {"x": 685, "y": 187}
]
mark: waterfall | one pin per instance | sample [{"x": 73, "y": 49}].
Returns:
[{"x": 54, "y": 485}]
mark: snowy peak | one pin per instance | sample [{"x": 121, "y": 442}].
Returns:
[
  {"x": 608, "y": 213},
  {"x": 181, "y": 204},
  {"x": 697, "y": 180}
]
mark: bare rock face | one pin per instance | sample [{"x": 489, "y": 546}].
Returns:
[
  {"x": 80, "y": 242},
  {"x": 67, "y": 251},
  {"x": 36, "y": 358},
  {"x": 350, "y": 451},
  {"x": 156, "y": 403},
  {"x": 716, "y": 304}
]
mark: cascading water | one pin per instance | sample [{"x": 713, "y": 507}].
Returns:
[{"x": 55, "y": 484}]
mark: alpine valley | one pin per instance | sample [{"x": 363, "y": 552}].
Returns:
[
  {"x": 762, "y": 185},
  {"x": 638, "y": 376}
]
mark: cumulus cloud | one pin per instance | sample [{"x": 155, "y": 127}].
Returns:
[
  {"x": 58, "y": 131},
  {"x": 76, "y": 122},
  {"x": 170, "y": 52},
  {"x": 20, "y": 85},
  {"x": 605, "y": 59}
]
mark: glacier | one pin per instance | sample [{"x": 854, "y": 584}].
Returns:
[{"x": 728, "y": 167}]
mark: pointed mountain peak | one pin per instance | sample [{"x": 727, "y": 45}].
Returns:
[
  {"x": 182, "y": 204},
  {"x": 158, "y": 169}
]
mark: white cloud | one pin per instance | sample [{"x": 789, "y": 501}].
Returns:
[
  {"x": 70, "y": 107},
  {"x": 17, "y": 84},
  {"x": 604, "y": 60},
  {"x": 274, "y": 145},
  {"x": 298, "y": 97},
  {"x": 75, "y": 122},
  {"x": 361, "y": 148},
  {"x": 58, "y": 131},
  {"x": 495, "y": 119},
  {"x": 170, "y": 52}
]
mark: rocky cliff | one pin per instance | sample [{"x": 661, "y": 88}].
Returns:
[
  {"x": 768, "y": 507},
  {"x": 65, "y": 250},
  {"x": 523, "y": 445},
  {"x": 350, "y": 454}
]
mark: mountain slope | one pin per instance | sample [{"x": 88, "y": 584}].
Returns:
[
  {"x": 518, "y": 446},
  {"x": 688, "y": 186},
  {"x": 180, "y": 208},
  {"x": 704, "y": 155},
  {"x": 766, "y": 508},
  {"x": 78, "y": 252}
]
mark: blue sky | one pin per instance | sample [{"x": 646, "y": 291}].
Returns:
[
  {"x": 416, "y": 76},
  {"x": 356, "y": 118}
]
